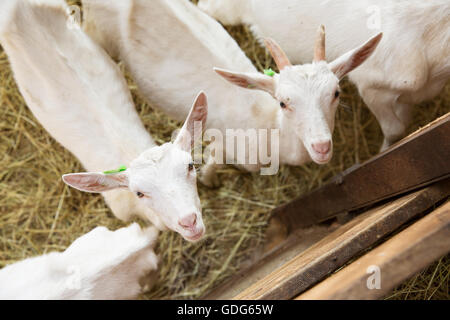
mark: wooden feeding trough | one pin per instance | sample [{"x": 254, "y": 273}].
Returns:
[{"x": 401, "y": 194}]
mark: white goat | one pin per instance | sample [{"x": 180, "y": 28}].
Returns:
[
  {"x": 412, "y": 63},
  {"x": 80, "y": 96},
  {"x": 171, "y": 47},
  {"x": 101, "y": 264}
]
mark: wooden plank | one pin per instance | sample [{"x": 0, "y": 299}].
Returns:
[
  {"x": 296, "y": 243},
  {"x": 418, "y": 160},
  {"x": 397, "y": 259},
  {"x": 312, "y": 265}
]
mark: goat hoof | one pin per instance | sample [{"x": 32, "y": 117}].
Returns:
[{"x": 386, "y": 144}]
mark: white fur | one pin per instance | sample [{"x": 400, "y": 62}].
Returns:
[
  {"x": 171, "y": 47},
  {"x": 411, "y": 64},
  {"x": 101, "y": 264},
  {"x": 80, "y": 96}
]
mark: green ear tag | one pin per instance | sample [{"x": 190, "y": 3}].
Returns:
[
  {"x": 120, "y": 169},
  {"x": 269, "y": 72}
]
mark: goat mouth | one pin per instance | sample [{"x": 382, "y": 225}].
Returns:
[
  {"x": 196, "y": 236},
  {"x": 321, "y": 158}
]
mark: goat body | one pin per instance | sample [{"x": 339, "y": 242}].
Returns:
[{"x": 101, "y": 264}]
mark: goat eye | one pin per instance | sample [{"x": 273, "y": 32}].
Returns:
[
  {"x": 191, "y": 166},
  {"x": 282, "y": 105},
  {"x": 139, "y": 194},
  {"x": 336, "y": 94}
]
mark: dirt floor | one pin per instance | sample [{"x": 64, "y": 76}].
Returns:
[{"x": 39, "y": 214}]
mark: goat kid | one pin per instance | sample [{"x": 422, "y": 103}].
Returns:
[{"x": 81, "y": 98}]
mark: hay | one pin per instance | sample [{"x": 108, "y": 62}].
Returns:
[
  {"x": 39, "y": 214},
  {"x": 431, "y": 283}
]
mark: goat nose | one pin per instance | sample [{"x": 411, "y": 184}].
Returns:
[
  {"x": 322, "y": 147},
  {"x": 189, "y": 221}
]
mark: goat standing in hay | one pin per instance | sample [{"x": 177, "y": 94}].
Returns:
[
  {"x": 412, "y": 63},
  {"x": 101, "y": 264},
  {"x": 171, "y": 47},
  {"x": 80, "y": 96}
]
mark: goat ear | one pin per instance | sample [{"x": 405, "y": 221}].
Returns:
[
  {"x": 95, "y": 181},
  {"x": 249, "y": 80},
  {"x": 195, "y": 123},
  {"x": 354, "y": 58}
]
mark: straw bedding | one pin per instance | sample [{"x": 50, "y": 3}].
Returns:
[{"x": 39, "y": 214}]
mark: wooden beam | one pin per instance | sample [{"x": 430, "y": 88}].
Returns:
[
  {"x": 329, "y": 254},
  {"x": 295, "y": 244},
  {"x": 416, "y": 161},
  {"x": 397, "y": 259}
]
